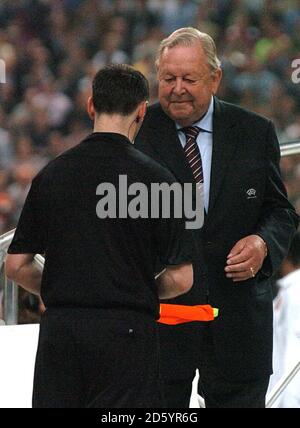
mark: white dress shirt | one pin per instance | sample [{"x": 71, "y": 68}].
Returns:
[{"x": 204, "y": 142}]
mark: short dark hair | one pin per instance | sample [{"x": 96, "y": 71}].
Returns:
[
  {"x": 119, "y": 88},
  {"x": 294, "y": 252}
]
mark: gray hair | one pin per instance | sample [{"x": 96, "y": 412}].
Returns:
[{"x": 187, "y": 37}]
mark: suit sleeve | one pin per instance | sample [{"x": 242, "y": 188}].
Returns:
[
  {"x": 174, "y": 242},
  {"x": 279, "y": 220}
]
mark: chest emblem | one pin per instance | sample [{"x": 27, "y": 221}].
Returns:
[{"x": 251, "y": 194}]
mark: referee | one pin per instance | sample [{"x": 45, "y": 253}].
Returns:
[{"x": 98, "y": 337}]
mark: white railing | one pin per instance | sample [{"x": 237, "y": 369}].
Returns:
[
  {"x": 278, "y": 389},
  {"x": 10, "y": 289},
  {"x": 291, "y": 148}
]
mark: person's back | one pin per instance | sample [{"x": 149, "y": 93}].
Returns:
[
  {"x": 98, "y": 337},
  {"x": 100, "y": 257}
]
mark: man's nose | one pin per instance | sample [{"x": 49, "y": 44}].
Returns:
[{"x": 179, "y": 88}]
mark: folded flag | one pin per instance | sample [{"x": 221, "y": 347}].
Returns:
[{"x": 180, "y": 314}]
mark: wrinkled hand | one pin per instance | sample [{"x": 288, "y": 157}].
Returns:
[{"x": 246, "y": 258}]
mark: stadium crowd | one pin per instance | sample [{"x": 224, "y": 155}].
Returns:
[{"x": 52, "y": 48}]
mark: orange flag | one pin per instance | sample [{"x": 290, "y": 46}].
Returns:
[{"x": 179, "y": 314}]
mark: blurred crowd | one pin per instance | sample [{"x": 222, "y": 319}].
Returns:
[{"x": 52, "y": 48}]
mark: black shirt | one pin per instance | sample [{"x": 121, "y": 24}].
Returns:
[{"x": 89, "y": 261}]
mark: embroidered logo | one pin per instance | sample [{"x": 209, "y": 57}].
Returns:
[{"x": 251, "y": 194}]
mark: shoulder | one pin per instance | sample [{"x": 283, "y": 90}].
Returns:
[
  {"x": 156, "y": 126},
  {"x": 156, "y": 114},
  {"x": 154, "y": 110},
  {"x": 240, "y": 114},
  {"x": 57, "y": 165},
  {"x": 151, "y": 170}
]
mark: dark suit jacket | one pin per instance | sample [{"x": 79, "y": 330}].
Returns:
[{"x": 245, "y": 156}]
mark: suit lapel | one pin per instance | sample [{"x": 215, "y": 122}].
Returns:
[
  {"x": 167, "y": 144},
  {"x": 224, "y": 145}
]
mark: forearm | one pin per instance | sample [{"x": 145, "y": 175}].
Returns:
[
  {"x": 174, "y": 281},
  {"x": 277, "y": 230},
  {"x": 28, "y": 276},
  {"x": 278, "y": 219},
  {"x": 166, "y": 285}
]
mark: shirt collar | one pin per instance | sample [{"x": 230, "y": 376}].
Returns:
[{"x": 206, "y": 122}]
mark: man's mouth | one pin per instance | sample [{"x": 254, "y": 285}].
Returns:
[{"x": 180, "y": 101}]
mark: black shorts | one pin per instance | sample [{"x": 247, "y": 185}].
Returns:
[{"x": 97, "y": 358}]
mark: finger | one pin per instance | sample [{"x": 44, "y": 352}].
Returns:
[
  {"x": 241, "y": 258},
  {"x": 239, "y": 275},
  {"x": 238, "y": 267},
  {"x": 240, "y": 279},
  {"x": 236, "y": 249},
  {"x": 244, "y": 256}
]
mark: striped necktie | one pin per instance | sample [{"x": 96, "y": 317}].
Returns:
[{"x": 192, "y": 152}]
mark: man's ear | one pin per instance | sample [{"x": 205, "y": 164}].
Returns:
[
  {"x": 216, "y": 80},
  {"x": 142, "y": 110},
  {"x": 90, "y": 108}
]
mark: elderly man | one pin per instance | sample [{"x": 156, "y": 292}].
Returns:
[{"x": 249, "y": 223}]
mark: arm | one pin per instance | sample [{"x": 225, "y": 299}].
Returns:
[
  {"x": 29, "y": 239},
  {"x": 265, "y": 249},
  {"x": 279, "y": 220},
  {"x": 246, "y": 258},
  {"x": 22, "y": 269},
  {"x": 174, "y": 281}
]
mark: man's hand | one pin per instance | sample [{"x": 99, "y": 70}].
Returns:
[{"x": 246, "y": 258}]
